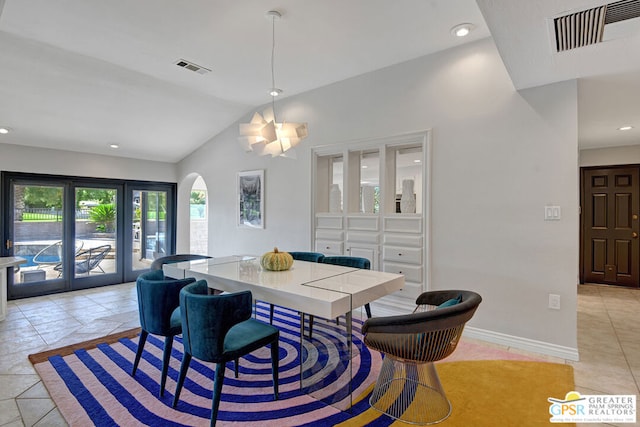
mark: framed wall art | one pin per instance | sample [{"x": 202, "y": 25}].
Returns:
[{"x": 251, "y": 199}]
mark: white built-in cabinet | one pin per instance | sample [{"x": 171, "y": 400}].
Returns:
[{"x": 369, "y": 226}]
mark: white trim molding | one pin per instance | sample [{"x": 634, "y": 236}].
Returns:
[{"x": 535, "y": 346}]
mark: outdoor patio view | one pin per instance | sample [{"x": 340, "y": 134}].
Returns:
[{"x": 39, "y": 232}]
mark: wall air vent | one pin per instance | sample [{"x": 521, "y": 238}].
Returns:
[
  {"x": 191, "y": 66},
  {"x": 587, "y": 27}
]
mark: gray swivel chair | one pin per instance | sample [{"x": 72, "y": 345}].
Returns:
[{"x": 408, "y": 387}]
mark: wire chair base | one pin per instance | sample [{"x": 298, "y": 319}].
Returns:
[{"x": 410, "y": 392}]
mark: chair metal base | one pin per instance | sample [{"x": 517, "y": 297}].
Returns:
[{"x": 410, "y": 392}]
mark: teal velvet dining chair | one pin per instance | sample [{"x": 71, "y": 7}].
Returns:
[
  {"x": 158, "y": 306},
  {"x": 218, "y": 329},
  {"x": 169, "y": 259}
]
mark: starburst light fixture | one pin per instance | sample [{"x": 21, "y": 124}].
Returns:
[{"x": 263, "y": 134}]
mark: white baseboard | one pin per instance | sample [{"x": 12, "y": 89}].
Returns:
[
  {"x": 527, "y": 344},
  {"x": 391, "y": 306}
]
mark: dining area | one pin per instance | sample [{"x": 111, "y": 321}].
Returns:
[
  {"x": 243, "y": 315},
  {"x": 314, "y": 289}
]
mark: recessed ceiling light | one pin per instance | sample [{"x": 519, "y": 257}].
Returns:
[
  {"x": 462, "y": 30},
  {"x": 625, "y": 128},
  {"x": 114, "y": 146},
  {"x": 417, "y": 161},
  {"x": 4, "y": 130},
  {"x": 364, "y": 166},
  {"x": 274, "y": 91}
]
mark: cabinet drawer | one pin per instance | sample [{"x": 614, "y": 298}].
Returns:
[
  {"x": 328, "y": 247},
  {"x": 410, "y": 290},
  {"x": 329, "y": 234},
  {"x": 369, "y": 223},
  {"x": 362, "y": 237},
  {"x": 412, "y": 273},
  {"x": 398, "y": 254},
  {"x": 326, "y": 221},
  {"x": 410, "y": 240},
  {"x": 403, "y": 224}
]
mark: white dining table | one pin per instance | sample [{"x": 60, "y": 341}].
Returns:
[{"x": 322, "y": 290}]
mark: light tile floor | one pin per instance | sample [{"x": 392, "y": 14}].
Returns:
[{"x": 608, "y": 342}]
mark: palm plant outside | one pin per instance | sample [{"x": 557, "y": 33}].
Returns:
[{"x": 104, "y": 216}]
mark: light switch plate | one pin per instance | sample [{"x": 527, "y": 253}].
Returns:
[{"x": 552, "y": 213}]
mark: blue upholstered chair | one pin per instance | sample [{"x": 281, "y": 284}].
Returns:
[
  {"x": 302, "y": 256},
  {"x": 157, "y": 304},
  {"x": 307, "y": 256},
  {"x": 219, "y": 329},
  {"x": 159, "y": 262},
  {"x": 350, "y": 261}
]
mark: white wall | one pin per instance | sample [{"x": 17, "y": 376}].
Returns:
[
  {"x": 499, "y": 157},
  {"x": 628, "y": 155},
  {"x": 17, "y": 158}
]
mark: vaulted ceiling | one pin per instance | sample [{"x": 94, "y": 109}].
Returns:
[{"x": 79, "y": 75}]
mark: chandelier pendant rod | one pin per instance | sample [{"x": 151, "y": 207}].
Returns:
[
  {"x": 270, "y": 137},
  {"x": 273, "y": 74}
]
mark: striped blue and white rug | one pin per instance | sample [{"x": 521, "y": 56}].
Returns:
[{"x": 93, "y": 386}]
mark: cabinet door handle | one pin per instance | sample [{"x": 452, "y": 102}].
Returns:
[{"x": 400, "y": 254}]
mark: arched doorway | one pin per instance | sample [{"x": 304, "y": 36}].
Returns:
[{"x": 198, "y": 208}]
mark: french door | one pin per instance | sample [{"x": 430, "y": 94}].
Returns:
[
  {"x": 152, "y": 226},
  {"x": 74, "y": 232}
]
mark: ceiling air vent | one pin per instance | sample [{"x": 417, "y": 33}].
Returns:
[
  {"x": 191, "y": 66},
  {"x": 587, "y": 27},
  {"x": 622, "y": 10},
  {"x": 580, "y": 29}
]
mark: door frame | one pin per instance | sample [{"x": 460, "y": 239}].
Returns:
[{"x": 171, "y": 220}]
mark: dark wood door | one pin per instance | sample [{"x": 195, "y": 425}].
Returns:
[{"x": 610, "y": 209}]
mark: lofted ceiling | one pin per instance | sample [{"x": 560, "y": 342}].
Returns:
[
  {"x": 80, "y": 75},
  {"x": 608, "y": 73}
]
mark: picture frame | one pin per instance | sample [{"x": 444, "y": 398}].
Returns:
[{"x": 250, "y": 203}]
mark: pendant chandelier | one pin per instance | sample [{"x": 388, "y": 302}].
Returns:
[{"x": 264, "y": 135}]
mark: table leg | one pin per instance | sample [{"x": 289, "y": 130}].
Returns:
[
  {"x": 349, "y": 354},
  {"x": 301, "y": 347}
]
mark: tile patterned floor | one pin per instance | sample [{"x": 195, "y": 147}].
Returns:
[{"x": 608, "y": 341}]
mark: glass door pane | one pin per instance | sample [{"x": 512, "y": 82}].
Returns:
[
  {"x": 96, "y": 230},
  {"x": 137, "y": 260},
  {"x": 37, "y": 228},
  {"x": 149, "y": 227}
]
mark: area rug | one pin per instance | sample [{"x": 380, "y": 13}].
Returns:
[{"x": 91, "y": 385}]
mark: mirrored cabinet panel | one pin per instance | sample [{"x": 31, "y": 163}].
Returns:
[
  {"x": 370, "y": 182},
  {"x": 363, "y": 181},
  {"x": 407, "y": 178},
  {"x": 329, "y": 183}
]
